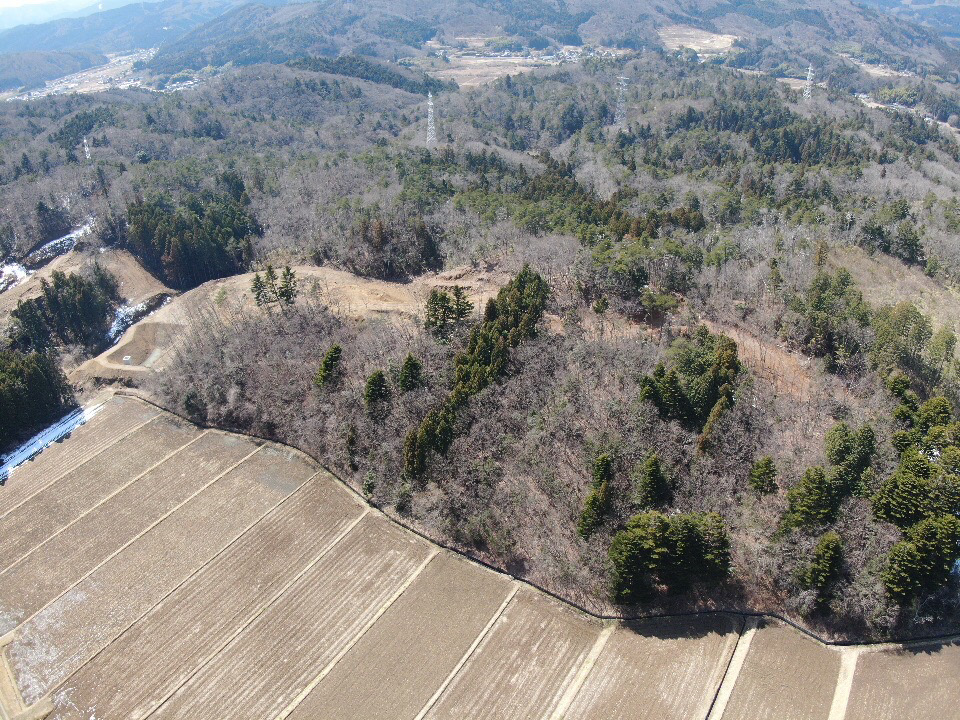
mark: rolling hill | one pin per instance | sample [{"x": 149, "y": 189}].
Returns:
[{"x": 782, "y": 35}]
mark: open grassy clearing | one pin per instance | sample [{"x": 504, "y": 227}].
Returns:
[
  {"x": 149, "y": 344},
  {"x": 676, "y": 37},
  {"x": 885, "y": 281},
  {"x": 133, "y": 282}
]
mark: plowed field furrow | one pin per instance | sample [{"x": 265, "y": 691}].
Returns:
[
  {"x": 116, "y": 419},
  {"x": 304, "y": 630},
  {"x": 392, "y": 672},
  {"x": 64, "y": 635},
  {"x": 658, "y": 670},
  {"x": 158, "y": 654},
  {"x": 523, "y": 667},
  {"x": 59, "y": 504},
  {"x": 57, "y": 564},
  {"x": 786, "y": 676},
  {"x": 919, "y": 683}
]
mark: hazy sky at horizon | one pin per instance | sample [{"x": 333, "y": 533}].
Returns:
[
  {"x": 5, "y": 4},
  {"x": 21, "y": 3}
]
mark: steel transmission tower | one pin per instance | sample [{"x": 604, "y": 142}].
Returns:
[
  {"x": 808, "y": 88},
  {"x": 621, "y": 115},
  {"x": 431, "y": 125}
]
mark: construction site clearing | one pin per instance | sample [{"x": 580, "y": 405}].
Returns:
[{"x": 154, "y": 569}]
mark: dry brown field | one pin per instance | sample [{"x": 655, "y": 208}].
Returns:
[
  {"x": 156, "y": 570},
  {"x": 918, "y": 682},
  {"x": 117, "y": 419},
  {"x": 690, "y": 656},
  {"x": 786, "y": 676}
]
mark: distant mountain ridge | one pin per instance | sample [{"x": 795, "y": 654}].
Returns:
[
  {"x": 775, "y": 35},
  {"x": 30, "y": 69}
]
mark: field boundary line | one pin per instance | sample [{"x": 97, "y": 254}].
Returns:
[
  {"x": 743, "y": 614},
  {"x": 841, "y": 695},
  {"x": 140, "y": 534},
  {"x": 734, "y": 666},
  {"x": 259, "y": 612},
  {"x": 474, "y": 646},
  {"x": 233, "y": 541},
  {"x": 79, "y": 465},
  {"x": 302, "y": 695},
  {"x": 586, "y": 667},
  {"x": 119, "y": 490}
]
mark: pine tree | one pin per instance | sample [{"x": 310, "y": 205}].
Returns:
[
  {"x": 598, "y": 500},
  {"x": 923, "y": 561},
  {"x": 329, "y": 368},
  {"x": 440, "y": 313},
  {"x": 414, "y": 454},
  {"x": 650, "y": 484},
  {"x": 825, "y": 566},
  {"x": 813, "y": 501},
  {"x": 287, "y": 291},
  {"x": 259, "y": 289},
  {"x": 377, "y": 390},
  {"x": 763, "y": 476},
  {"x": 411, "y": 374},
  {"x": 462, "y": 307},
  {"x": 270, "y": 280}
]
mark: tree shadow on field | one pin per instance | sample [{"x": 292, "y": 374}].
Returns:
[
  {"x": 686, "y": 628},
  {"x": 932, "y": 647}
]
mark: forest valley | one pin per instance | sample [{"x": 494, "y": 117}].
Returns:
[{"x": 722, "y": 374}]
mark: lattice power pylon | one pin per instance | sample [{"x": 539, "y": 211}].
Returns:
[
  {"x": 808, "y": 88},
  {"x": 620, "y": 118},
  {"x": 431, "y": 124}
]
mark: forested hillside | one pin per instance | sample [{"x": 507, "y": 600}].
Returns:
[
  {"x": 33, "y": 68},
  {"x": 721, "y": 369}
]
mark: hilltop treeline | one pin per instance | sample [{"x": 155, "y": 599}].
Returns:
[
  {"x": 363, "y": 68},
  {"x": 33, "y": 392},
  {"x": 201, "y": 238},
  {"x": 71, "y": 310}
]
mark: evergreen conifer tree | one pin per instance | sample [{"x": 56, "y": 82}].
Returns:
[
  {"x": 329, "y": 368},
  {"x": 411, "y": 374},
  {"x": 287, "y": 290},
  {"x": 377, "y": 390}
]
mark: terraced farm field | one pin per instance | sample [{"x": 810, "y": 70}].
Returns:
[{"x": 152, "y": 569}]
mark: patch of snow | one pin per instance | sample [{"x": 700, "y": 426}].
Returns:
[
  {"x": 44, "y": 439},
  {"x": 59, "y": 246},
  {"x": 12, "y": 274},
  {"x": 124, "y": 317},
  {"x": 127, "y": 315}
]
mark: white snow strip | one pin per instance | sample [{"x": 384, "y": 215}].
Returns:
[
  {"x": 44, "y": 439},
  {"x": 126, "y": 315},
  {"x": 12, "y": 274}
]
